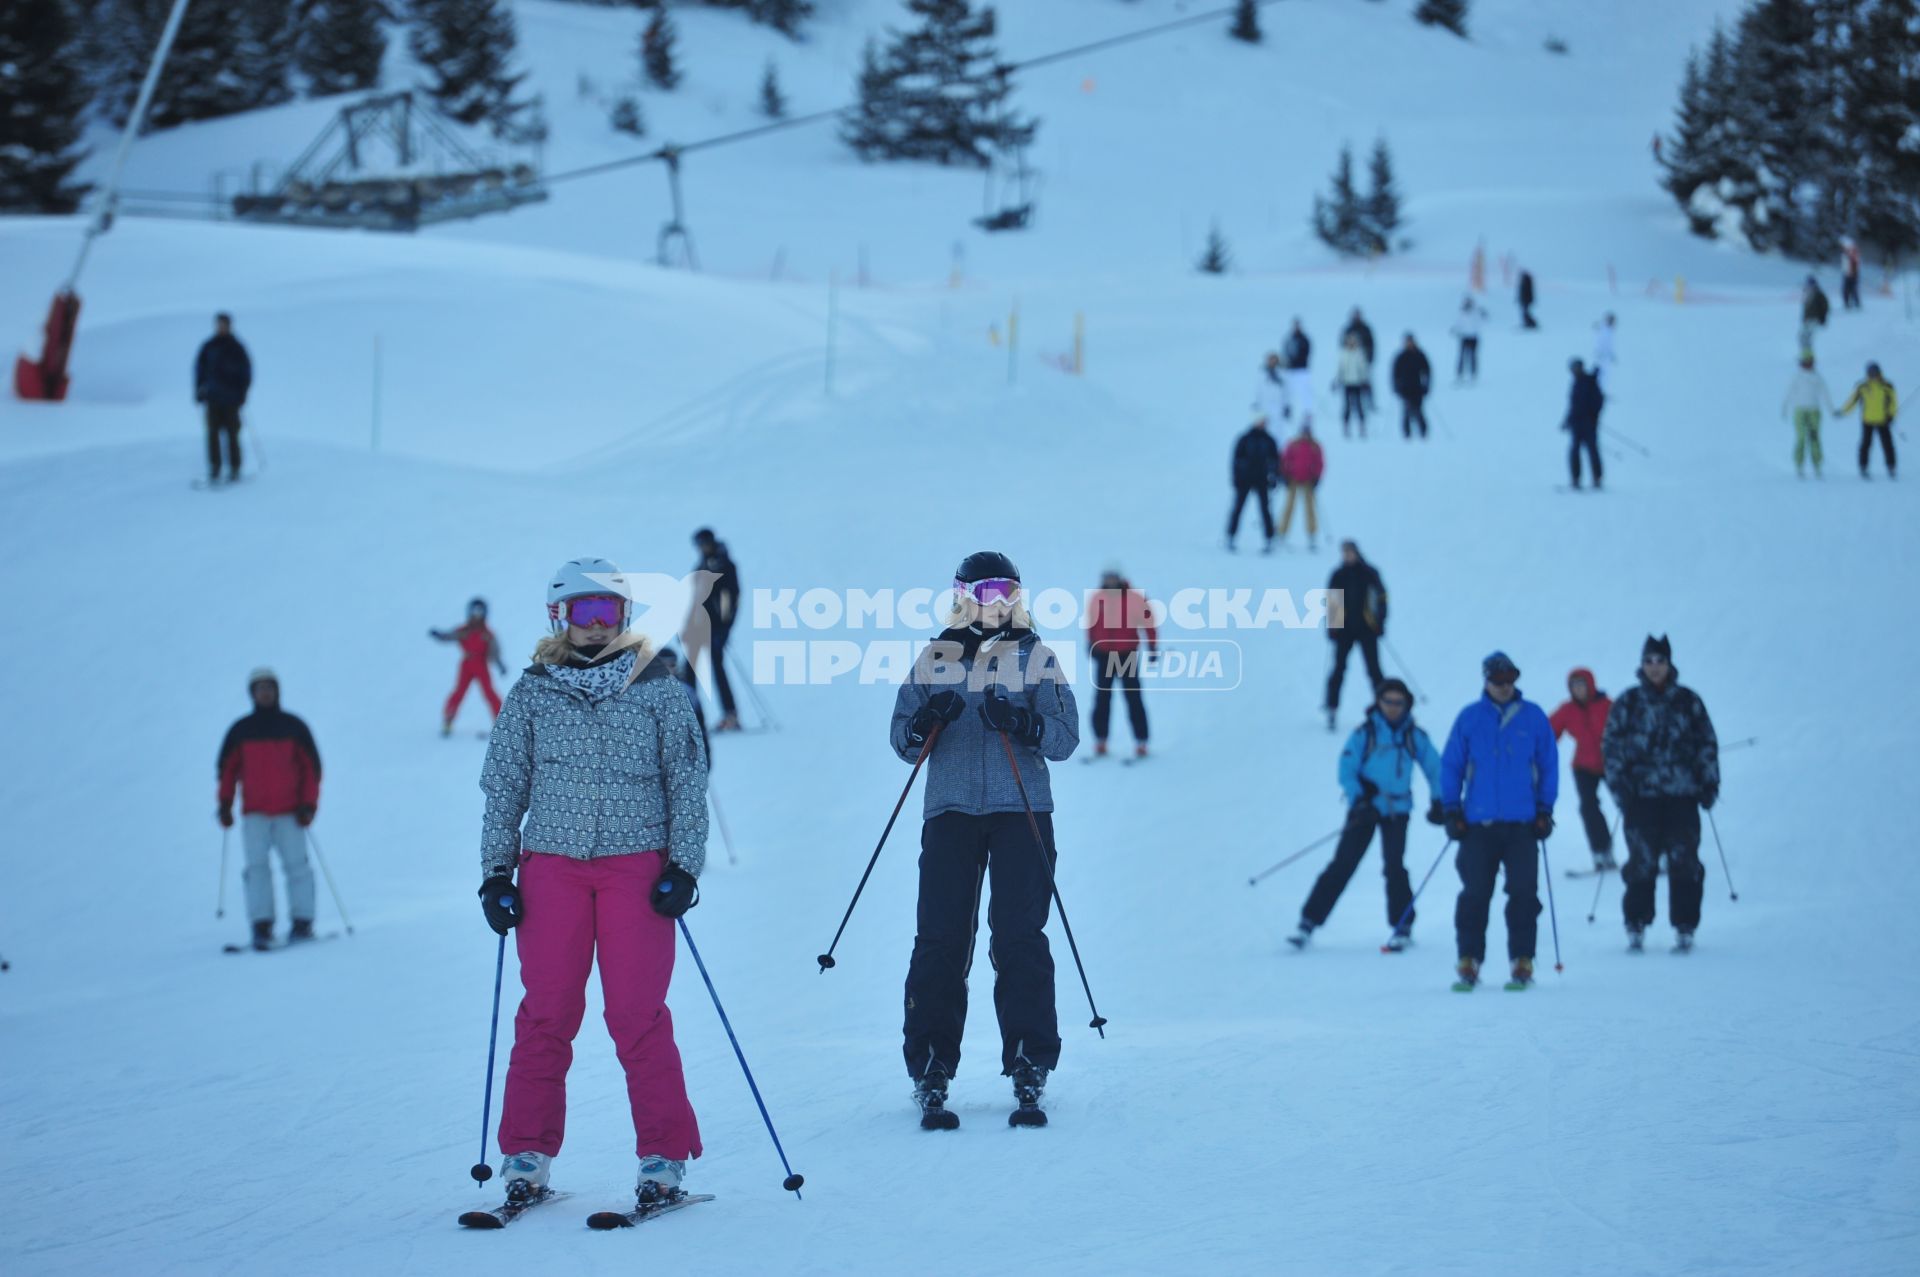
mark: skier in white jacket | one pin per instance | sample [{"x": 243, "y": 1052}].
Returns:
[
  {"x": 1805, "y": 402},
  {"x": 1271, "y": 398},
  {"x": 1351, "y": 378},
  {"x": 1466, "y": 326}
]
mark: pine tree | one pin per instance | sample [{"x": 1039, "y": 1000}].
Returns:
[
  {"x": 938, "y": 92},
  {"x": 1778, "y": 73},
  {"x": 1338, "y": 219},
  {"x": 626, "y": 116},
  {"x": 1883, "y": 109},
  {"x": 1218, "y": 258},
  {"x": 1246, "y": 22},
  {"x": 656, "y": 52},
  {"x": 467, "y": 47},
  {"x": 269, "y": 40},
  {"x": 784, "y": 16},
  {"x": 1380, "y": 215},
  {"x": 202, "y": 77},
  {"x": 43, "y": 99},
  {"x": 343, "y": 45},
  {"x": 1451, "y": 14},
  {"x": 773, "y": 103}
]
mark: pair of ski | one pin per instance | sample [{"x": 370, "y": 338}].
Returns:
[
  {"x": 936, "y": 1116},
  {"x": 601, "y": 1221},
  {"x": 277, "y": 945}
]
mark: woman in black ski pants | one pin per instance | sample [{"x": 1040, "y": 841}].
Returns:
[{"x": 984, "y": 695}]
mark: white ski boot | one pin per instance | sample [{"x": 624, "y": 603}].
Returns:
[
  {"x": 659, "y": 1179},
  {"x": 1683, "y": 942},
  {"x": 525, "y": 1175}
]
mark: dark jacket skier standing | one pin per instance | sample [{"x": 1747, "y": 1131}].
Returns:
[
  {"x": 222, "y": 376},
  {"x": 1255, "y": 472},
  {"x": 1356, "y": 617},
  {"x": 1663, "y": 766},
  {"x": 1412, "y": 381},
  {"x": 984, "y": 698},
  {"x": 712, "y": 620},
  {"x": 1584, "y": 402}
]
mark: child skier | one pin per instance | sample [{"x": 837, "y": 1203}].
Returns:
[
  {"x": 598, "y": 752},
  {"x": 1583, "y": 716},
  {"x": 478, "y": 647}
]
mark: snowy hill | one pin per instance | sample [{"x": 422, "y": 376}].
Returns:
[{"x": 545, "y": 393}]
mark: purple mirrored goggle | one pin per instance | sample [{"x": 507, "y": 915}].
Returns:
[
  {"x": 994, "y": 589},
  {"x": 592, "y": 609}
]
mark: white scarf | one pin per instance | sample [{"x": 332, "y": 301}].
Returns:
[{"x": 597, "y": 682}]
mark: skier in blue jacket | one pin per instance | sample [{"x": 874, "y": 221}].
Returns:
[
  {"x": 1499, "y": 775},
  {"x": 1376, "y": 774}
]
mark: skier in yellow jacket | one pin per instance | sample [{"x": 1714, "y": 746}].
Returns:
[{"x": 1878, "y": 404}]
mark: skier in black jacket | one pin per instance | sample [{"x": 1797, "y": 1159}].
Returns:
[
  {"x": 1526, "y": 300},
  {"x": 1356, "y": 615},
  {"x": 1256, "y": 472},
  {"x": 1583, "y": 419},
  {"x": 222, "y": 375},
  {"x": 1412, "y": 380},
  {"x": 721, "y": 606}
]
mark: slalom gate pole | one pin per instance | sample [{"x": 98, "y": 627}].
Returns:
[
  {"x": 1408, "y": 911},
  {"x": 792, "y": 1182},
  {"x": 482, "y": 1172},
  {"x": 1553, "y": 914},
  {"x": 1715, "y": 826},
  {"x": 220, "y": 900},
  {"x": 1098, "y": 1023},
  {"x": 1318, "y": 842},
  {"x": 826, "y": 959},
  {"x": 328, "y": 873}
]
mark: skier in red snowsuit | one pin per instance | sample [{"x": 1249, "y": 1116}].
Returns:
[{"x": 478, "y": 648}]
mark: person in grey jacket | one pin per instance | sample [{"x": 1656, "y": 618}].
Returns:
[
  {"x": 984, "y": 697},
  {"x": 596, "y": 784}
]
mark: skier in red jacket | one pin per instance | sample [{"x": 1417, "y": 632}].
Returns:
[
  {"x": 1584, "y": 717},
  {"x": 478, "y": 648},
  {"x": 1117, "y": 616},
  {"x": 1302, "y": 464},
  {"x": 269, "y": 756}
]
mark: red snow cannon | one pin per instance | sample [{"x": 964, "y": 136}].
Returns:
[{"x": 46, "y": 379}]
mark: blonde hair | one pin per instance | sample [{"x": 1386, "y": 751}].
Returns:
[
  {"x": 960, "y": 613},
  {"x": 556, "y": 649}
]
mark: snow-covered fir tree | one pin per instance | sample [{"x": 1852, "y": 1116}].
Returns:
[
  {"x": 937, "y": 93},
  {"x": 773, "y": 103},
  {"x": 656, "y": 52},
  {"x": 342, "y": 44},
  {"x": 202, "y": 77},
  {"x": 43, "y": 99},
  {"x": 1451, "y": 14},
  {"x": 1338, "y": 216},
  {"x": 1217, "y": 258},
  {"x": 1246, "y": 22},
  {"x": 626, "y": 116},
  {"x": 467, "y": 48},
  {"x": 268, "y": 49},
  {"x": 1380, "y": 211}
]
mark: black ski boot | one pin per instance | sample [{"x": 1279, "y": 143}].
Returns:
[
  {"x": 930, "y": 1093},
  {"x": 263, "y": 935},
  {"x": 1029, "y": 1081},
  {"x": 302, "y": 930}
]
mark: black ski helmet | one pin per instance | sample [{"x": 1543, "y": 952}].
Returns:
[
  {"x": 986, "y": 565},
  {"x": 477, "y": 605}
]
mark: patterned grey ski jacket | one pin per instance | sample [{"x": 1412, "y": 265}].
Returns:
[
  {"x": 1659, "y": 743},
  {"x": 612, "y": 777},
  {"x": 967, "y": 770}
]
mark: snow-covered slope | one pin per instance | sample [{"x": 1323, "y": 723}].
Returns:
[{"x": 1750, "y": 1108}]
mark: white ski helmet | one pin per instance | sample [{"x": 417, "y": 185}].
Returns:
[{"x": 577, "y": 578}]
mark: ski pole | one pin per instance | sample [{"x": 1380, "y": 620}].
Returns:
[
  {"x": 1318, "y": 842},
  {"x": 1715, "y": 826},
  {"x": 792, "y": 1182},
  {"x": 720, "y": 818},
  {"x": 1407, "y": 913},
  {"x": 767, "y": 721},
  {"x": 826, "y": 959},
  {"x": 482, "y": 1172},
  {"x": 328, "y": 873},
  {"x": 220, "y": 901},
  {"x": 1098, "y": 1023},
  {"x": 1740, "y": 744},
  {"x": 1553, "y": 915},
  {"x": 1412, "y": 682},
  {"x": 1601, "y": 886},
  {"x": 1631, "y": 443},
  {"x": 259, "y": 453}
]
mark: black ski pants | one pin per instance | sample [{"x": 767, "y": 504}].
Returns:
[
  {"x": 223, "y": 423},
  {"x": 1595, "y": 820},
  {"x": 1867, "y": 432},
  {"x": 1483, "y": 853},
  {"x": 1468, "y": 364},
  {"x": 1344, "y": 641},
  {"x": 1123, "y": 668},
  {"x": 721, "y": 687},
  {"x": 958, "y": 853},
  {"x": 1354, "y": 405},
  {"x": 1347, "y": 854},
  {"x": 1850, "y": 292},
  {"x": 1413, "y": 412},
  {"x": 1587, "y": 437},
  {"x": 1657, "y": 827},
  {"x": 1241, "y": 492}
]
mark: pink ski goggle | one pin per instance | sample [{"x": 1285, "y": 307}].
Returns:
[
  {"x": 995, "y": 589},
  {"x": 595, "y": 609}
]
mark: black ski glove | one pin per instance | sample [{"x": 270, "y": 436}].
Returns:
[
  {"x": 1456, "y": 824},
  {"x": 500, "y": 901},
  {"x": 226, "y": 815},
  {"x": 675, "y": 892},
  {"x": 303, "y": 816},
  {"x": 941, "y": 708},
  {"x": 1709, "y": 796},
  {"x": 1543, "y": 823},
  {"x": 1017, "y": 721},
  {"x": 1368, "y": 789},
  {"x": 1436, "y": 814}
]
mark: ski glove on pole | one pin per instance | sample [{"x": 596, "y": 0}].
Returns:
[
  {"x": 303, "y": 816},
  {"x": 674, "y": 892},
  {"x": 1709, "y": 796},
  {"x": 941, "y": 708},
  {"x": 1456, "y": 824},
  {"x": 1436, "y": 814},
  {"x": 1542, "y": 823},
  {"x": 1018, "y": 722},
  {"x": 226, "y": 816},
  {"x": 500, "y": 900}
]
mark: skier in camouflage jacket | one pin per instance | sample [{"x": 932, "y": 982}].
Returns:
[{"x": 1663, "y": 766}]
